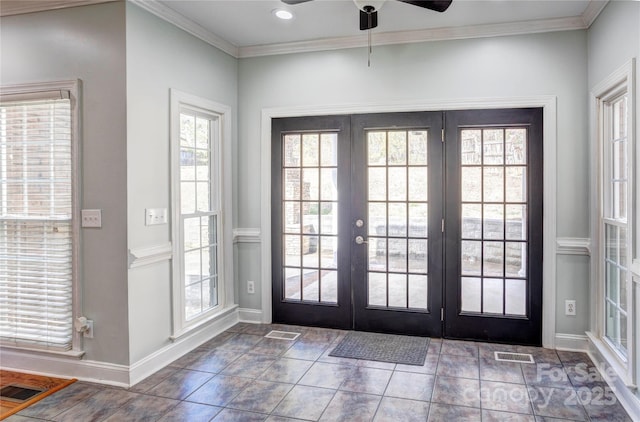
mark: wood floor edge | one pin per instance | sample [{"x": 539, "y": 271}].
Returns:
[{"x": 37, "y": 398}]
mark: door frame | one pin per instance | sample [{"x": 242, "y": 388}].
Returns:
[{"x": 546, "y": 102}]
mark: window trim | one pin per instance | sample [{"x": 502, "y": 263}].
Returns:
[
  {"x": 222, "y": 169},
  {"x": 72, "y": 89},
  {"x": 619, "y": 83}
]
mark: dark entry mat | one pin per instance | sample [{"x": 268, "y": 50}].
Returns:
[{"x": 383, "y": 347}]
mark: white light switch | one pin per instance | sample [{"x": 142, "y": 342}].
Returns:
[
  {"x": 91, "y": 218},
  {"x": 155, "y": 216}
]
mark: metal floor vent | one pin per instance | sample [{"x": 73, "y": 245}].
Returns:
[
  {"x": 514, "y": 357},
  {"x": 282, "y": 335},
  {"x": 18, "y": 393}
]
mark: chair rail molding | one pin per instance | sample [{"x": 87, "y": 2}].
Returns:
[
  {"x": 139, "y": 257},
  {"x": 247, "y": 235},
  {"x": 573, "y": 246}
]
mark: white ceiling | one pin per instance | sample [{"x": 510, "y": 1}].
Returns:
[
  {"x": 249, "y": 28},
  {"x": 245, "y": 28}
]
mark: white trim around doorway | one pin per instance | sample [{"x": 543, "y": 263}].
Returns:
[{"x": 547, "y": 102}]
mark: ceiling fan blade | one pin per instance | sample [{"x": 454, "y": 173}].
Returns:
[
  {"x": 437, "y": 5},
  {"x": 294, "y": 1},
  {"x": 368, "y": 20}
]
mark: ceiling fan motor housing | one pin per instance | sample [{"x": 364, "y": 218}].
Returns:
[{"x": 369, "y": 6}]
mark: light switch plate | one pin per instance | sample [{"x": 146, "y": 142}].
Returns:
[
  {"x": 155, "y": 216},
  {"x": 91, "y": 218}
]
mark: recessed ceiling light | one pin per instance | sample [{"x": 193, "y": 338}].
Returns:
[{"x": 283, "y": 14}]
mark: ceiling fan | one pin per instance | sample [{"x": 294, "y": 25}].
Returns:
[{"x": 369, "y": 8}]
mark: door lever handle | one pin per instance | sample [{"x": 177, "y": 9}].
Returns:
[{"x": 360, "y": 240}]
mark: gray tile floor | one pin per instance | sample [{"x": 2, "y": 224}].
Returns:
[{"x": 242, "y": 376}]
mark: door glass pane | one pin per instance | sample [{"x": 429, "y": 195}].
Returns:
[
  {"x": 471, "y": 182},
  {"x": 418, "y": 148},
  {"x": 515, "y": 297},
  {"x": 516, "y": 146},
  {"x": 329, "y": 149},
  {"x": 397, "y": 290},
  {"x": 493, "y": 146},
  {"x": 310, "y": 285},
  {"x": 418, "y": 184},
  {"x": 418, "y": 220},
  {"x": 494, "y": 211},
  {"x": 310, "y": 149},
  {"x": 397, "y": 255},
  {"x": 329, "y": 286},
  {"x": 397, "y": 148},
  {"x": 493, "y": 178},
  {"x": 292, "y": 282},
  {"x": 397, "y": 219},
  {"x": 291, "y": 150},
  {"x": 418, "y": 256},
  {"x": 377, "y": 219},
  {"x": 418, "y": 291},
  {"x": 471, "y": 257},
  {"x": 377, "y": 184},
  {"x": 377, "y": 289},
  {"x": 310, "y": 214},
  {"x": 470, "y": 291},
  {"x": 377, "y": 254},
  {"x": 377, "y": 148},
  {"x": 516, "y": 180},
  {"x": 471, "y": 221},
  {"x": 397, "y": 212},
  {"x": 397, "y": 183},
  {"x": 493, "y": 222},
  {"x": 516, "y": 259},
  {"x": 492, "y": 295},
  {"x": 470, "y": 145},
  {"x": 516, "y": 227}
]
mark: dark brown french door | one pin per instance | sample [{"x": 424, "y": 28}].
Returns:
[{"x": 424, "y": 223}]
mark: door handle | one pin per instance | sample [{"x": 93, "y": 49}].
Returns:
[{"x": 360, "y": 240}]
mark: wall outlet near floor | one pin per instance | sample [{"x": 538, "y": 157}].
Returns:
[
  {"x": 251, "y": 287},
  {"x": 570, "y": 307},
  {"x": 88, "y": 332}
]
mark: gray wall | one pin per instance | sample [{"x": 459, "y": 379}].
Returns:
[
  {"x": 87, "y": 43},
  {"x": 515, "y": 66},
  {"x": 613, "y": 39},
  {"x": 159, "y": 57}
]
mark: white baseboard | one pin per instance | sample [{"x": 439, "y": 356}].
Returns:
[
  {"x": 572, "y": 342},
  {"x": 109, "y": 373},
  {"x": 253, "y": 316},
  {"x": 49, "y": 365},
  {"x": 624, "y": 393},
  {"x": 181, "y": 346}
]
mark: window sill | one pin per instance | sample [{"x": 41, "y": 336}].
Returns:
[
  {"x": 612, "y": 360},
  {"x": 70, "y": 354},
  {"x": 219, "y": 315}
]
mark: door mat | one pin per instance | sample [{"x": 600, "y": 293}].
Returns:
[
  {"x": 392, "y": 348},
  {"x": 19, "y": 391}
]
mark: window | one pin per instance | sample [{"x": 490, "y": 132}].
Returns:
[
  {"x": 197, "y": 210},
  {"x": 37, "y": 217},
  {"x": 615, "y": 224}
]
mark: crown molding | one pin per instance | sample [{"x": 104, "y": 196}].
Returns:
[
  {"x": 187, "y": 25},
  {"x": 406, "y": 37},
  {"x": 593, "y": 11},
  {"x": 16, "y": 7}
]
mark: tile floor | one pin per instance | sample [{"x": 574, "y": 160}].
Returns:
[{"x": 242, "y": 376}]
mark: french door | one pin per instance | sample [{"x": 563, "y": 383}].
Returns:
[{"x": 423, "y": 223}]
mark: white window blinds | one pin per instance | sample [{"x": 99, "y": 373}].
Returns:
[{"x": 36, "y": 231}]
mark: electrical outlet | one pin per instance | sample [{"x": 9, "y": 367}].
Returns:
[
  {"x": 251, "y": 287},
  {"x": 88, "y": 332},
  {"x": 570, "y": 307},
  {"x": 91, "y": 218}
]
